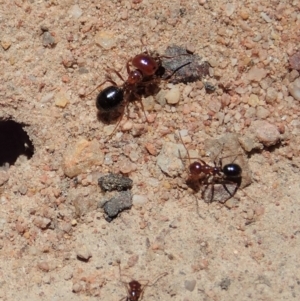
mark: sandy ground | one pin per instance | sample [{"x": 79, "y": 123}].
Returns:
[{"x": 55, "y": 243}]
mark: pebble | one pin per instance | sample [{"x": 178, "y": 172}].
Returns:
[
  {"x": 169, "y": 158},
  {"x": 5, "y": 43},
  {"x": 256, "y": 74},
  {"x": 81, "y": 156},
  {"x": 41, "y": 222},
  {"x": 47, "y": 97},
  {"x": 265, "y": 132},
  {"x": 83, "y": 253},
  {"x": 48, "y": 39},
  {"x": 265, "y": 17},
  {"x": 122, "y": 201},
  {"x": 229, "y": 9},
  {"x": 262, "y": 112},
  {"x": 77, "y": 287},
  {"x": 44, "y": 266},
  {"x": 106, "y": 40},
  {"x": 294, "y": 61},
  {"x": 253, "y": 100},
  {"x": 112, "y": 182},
  {"x": 294, "y": 89},
  {"x": 173, "y": 95},
  {"x": 139, "y": 200},
  {"x": 61, "y": 99},
  {"x": 271, "y": 95},
  {"x": 75, "y": 11},
  {"x": 190, "y": 285},
  {"x": 150, "y": 147}
]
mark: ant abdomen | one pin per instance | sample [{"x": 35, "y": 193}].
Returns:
[
  {"x": 232, "y": 170},
  {"x": 109, "y": 98}
]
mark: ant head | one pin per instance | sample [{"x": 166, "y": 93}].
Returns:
[
  {"x": 232, "y": 170},
  {"x": 195, "y": 168},
  {"x": 134, "y": 77},
  {"x": 145, "y": 63},
  {"x": 134, "y": 285}
]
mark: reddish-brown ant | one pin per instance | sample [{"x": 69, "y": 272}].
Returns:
[
  {"x": 146, "y": 72},
  {"x": 201, "y": 173},
  {"x": 135, "y": 289}
]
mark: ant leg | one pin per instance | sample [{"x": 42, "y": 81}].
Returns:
[
  {"x": 123, "y": 282},
  {"x": 169, "y": 76},
  {"x": 109, "y": 80},
  {"x": 116, "y": 72},
  {"x": 119, "y": 121}
]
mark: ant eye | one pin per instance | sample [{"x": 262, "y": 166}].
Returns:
[{"x": 195, "y": 168}]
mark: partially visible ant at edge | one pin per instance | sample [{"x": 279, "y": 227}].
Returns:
[
  {"x": 135, "y": 289},
  {"x": 201, "y": 173},
  {"x": 147, "y": 70}
]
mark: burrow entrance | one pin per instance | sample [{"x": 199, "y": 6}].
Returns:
[{"x": 14, "y": 142}]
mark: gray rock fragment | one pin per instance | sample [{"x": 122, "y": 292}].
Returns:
[
  {"x": 112, "y": 182},
  {"x": 120, "y": 202}
]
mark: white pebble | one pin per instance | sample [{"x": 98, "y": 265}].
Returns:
[
  {"x": 75, "y": 11},
  {"x": 173, "y": 96},
  {"x": 106, "y": 40},
  {"x": 139, "y": 200}
]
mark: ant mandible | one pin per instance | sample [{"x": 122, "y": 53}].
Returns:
[{"x": 135, "y": 289}]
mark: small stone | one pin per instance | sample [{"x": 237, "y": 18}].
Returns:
[
  {"x": 77, "y": 287},
  {"x": 295, "y": 61},
  {"x": 82, "y": 156},
  {"x": 271, "y": 95},
  {"x": 83, "y": 253},
  {"x": 75, "y": 11},
  {"x": 294, "y": 89},
  {"x": 5, "y": 43},
  {"x": 48, "y": 40},
  {"x": 127, "y": 126},
  {"x": 169, "y": 160},
  {"x": 61, "y": 99},
  {"x": 262, "y": 113},
  {"x": 256, "y": 74},
  {"x": 150, "y": 147},
  {"x": 122, "y": 201},
  {"x": 106, "y": 40},
  {"x": 190, "y": 285},
  {"x": 244, "y": 14},
  {"x": 74, "y": 222},
  {"x": 139, "y": 200},
  {"x": 265, "y": 17},
  {"x": 247, "y": 143},
  {"x": 42, "y": 222},
  {"x": 44, "y": 266},
  {"x": 47, "y": 97},
  {"x": 265, "y": 132},
  {"x": 173, "y": 95},
  {"x": 225, "y": 283},
  {"x": 253, "y": 100},
  {"x": 229, "y": 9},
  {"x": 112, "y": 182}
]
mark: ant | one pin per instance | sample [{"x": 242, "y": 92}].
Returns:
[
  {"x": 135, "y": 289},
  {"x": 201, "y": 173},
  {"x": 143, "y": 70}
]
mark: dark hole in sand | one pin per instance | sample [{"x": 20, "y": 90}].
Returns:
[{"x": 14, "y": 142}]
